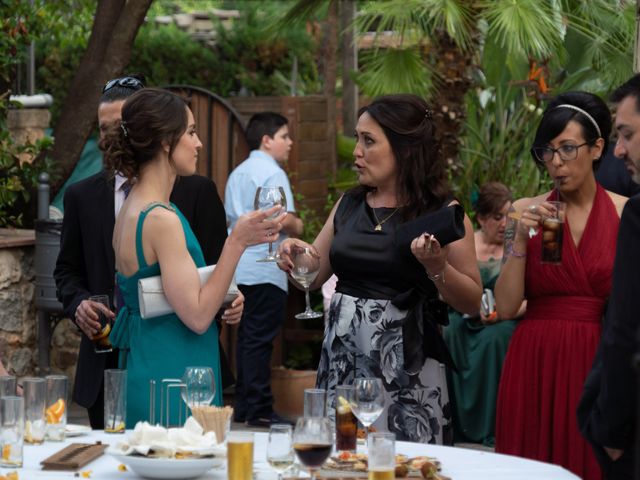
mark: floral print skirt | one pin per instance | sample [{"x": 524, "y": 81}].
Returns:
[{"x": 363, "y": 338}]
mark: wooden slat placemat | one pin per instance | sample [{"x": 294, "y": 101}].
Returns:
[{"x": 74, "y": 456}]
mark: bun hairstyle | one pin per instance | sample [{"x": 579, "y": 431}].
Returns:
[
  {"x": 596, "y": 124},
  {"x": 407, "y": 122},
  {"x": 151, "y": 117}
]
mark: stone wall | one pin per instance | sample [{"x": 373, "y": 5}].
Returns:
[{"x": 18, "y": 319}]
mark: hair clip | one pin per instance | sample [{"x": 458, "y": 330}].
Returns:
[
  {"x": 123, "y": 127},
  {"x": 428, "y": 114}
]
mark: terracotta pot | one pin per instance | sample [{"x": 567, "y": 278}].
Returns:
[{"x": 288, "y": 388}]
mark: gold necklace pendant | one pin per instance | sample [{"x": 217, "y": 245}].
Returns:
[{"x": 378, "y": 227}]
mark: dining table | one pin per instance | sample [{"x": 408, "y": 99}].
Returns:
[{"x": 457, "y": 463}]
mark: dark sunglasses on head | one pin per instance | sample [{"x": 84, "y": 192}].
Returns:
[{"x": 126, "y": 82}]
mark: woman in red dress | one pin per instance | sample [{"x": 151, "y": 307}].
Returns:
[{"x": 553, "y": 347}]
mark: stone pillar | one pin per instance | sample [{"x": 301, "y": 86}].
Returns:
[{"x": 27, "y": 125}]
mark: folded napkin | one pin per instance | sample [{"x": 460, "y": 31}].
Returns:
[{"x": 157, "y": 441}]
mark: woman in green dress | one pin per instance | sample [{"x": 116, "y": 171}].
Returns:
[
  {"x": 478, "y": 344},
  {"x": 154, "y": 143}
]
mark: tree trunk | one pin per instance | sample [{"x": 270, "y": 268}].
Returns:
[
  {"x": 349, "y": 65},
  {"x": 115, "y": 26},
  {"x": 636, "y": 49},
  {"x": 453, "y": 71},
  {"x": 330, "y": 75}
]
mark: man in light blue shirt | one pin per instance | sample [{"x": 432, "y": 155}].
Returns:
[{"x": 263, "y": 284}]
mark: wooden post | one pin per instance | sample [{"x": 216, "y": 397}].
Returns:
[
  {"x": 636, "y": 49},
  {"x": 349, "y": 64}
]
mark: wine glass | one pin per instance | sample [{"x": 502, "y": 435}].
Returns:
[
  {"x": 305, "y": 270},
  {"x": 199, "y": 386},
  {"x": 267, "y": 198},
  {"x": 280, "y": 448},
  {"x": 312, "y": 442},
  {"x": 368, "y": 400}
]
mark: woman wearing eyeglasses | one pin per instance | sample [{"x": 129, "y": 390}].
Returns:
[{"x": 553, "y": 347}]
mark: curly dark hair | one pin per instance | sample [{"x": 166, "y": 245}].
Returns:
[
  {"x": 150, "y": 117},
  {"x": 406, "y": 121}
]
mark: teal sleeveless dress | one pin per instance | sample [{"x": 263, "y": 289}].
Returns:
[{"x": 159, "y": 347}]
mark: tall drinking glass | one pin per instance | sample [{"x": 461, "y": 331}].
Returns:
[
  {"x": 8, "y": 385},
  {"x": 346, "y": 421},
  {"x": 312, "y": 442},
  {"x": 381, "y": 447},
  {"x": 101, "y": 339},
  {"x": 315, "y": 402},
  {"x": 552, "y": 230},
  {"x": 240, "y": 456},
  {"x": 115, "y": 400},
  {"x": 34, "y": 393},
  {"x": 368, "y": 400},
  {"x": 280, "y": 448},
  {"x": 56, "y": 411},
  {"x": 265, "y": 199},
  {"x": 11, "y": 431},
  {"x": 306, "y": 266}
]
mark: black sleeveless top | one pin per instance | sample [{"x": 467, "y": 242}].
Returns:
[{"x": 367, "y": 263}]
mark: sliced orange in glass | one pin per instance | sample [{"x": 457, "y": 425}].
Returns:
[{"x": 53, "y": 413}]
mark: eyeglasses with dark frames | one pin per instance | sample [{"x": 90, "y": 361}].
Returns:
[
  {"x": 126, "y": 82},
  {"x": 566, "y": 152}
]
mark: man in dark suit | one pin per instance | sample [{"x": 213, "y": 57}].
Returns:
[
  {"x": 607, "y": 410},
  {"x": 86, "y": 262}
]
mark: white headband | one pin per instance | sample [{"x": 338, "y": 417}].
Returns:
[{"x": 578, "y": 109}]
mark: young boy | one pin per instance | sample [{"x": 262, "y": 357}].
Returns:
[{"x": 262, "y": 283}]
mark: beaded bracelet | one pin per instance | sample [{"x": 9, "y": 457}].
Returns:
[
  {"x": 437, "y": 276},
  {"x": 513, "y": 253}
]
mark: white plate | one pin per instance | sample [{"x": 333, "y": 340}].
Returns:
[
  {"x": 73, "y": 430},
  {"x": 167, "y": 467}
]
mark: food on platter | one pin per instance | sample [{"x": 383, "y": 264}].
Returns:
[
  {"x": 155, "y": 441},
  {"x": 423, "y": 466}
]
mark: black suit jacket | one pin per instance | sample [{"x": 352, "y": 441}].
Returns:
[
  {"x": 86, "y": 262},
  {"x": 607, "y": 410}
]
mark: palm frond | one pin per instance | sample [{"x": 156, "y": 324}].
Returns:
[
  {"x": 456, "y": 17},
  {"x": 528, "y": 26},
  {"x": 395, "y": 71},
  {"x": 302, "y": 11}
]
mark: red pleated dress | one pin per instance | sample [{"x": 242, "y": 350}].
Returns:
[{"x": 552, "y": 348}]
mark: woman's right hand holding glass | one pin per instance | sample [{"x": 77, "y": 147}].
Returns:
[
  {"x": 531, "y": 219},
  {"x": 255, "y": 227},
  {"x": 285, "y": 261}
]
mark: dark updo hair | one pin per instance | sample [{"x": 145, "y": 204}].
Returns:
[
  {"x": 422, "y": 176},
  {"x": 555, "y": 120},
  {"x": 150, "y": 117},
  {"x": 491, "y": 198}
]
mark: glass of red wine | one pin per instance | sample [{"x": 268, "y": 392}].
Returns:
[{"x": 313, "y": 442}]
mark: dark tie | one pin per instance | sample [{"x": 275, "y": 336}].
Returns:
[{"x": 126, "y": 188}]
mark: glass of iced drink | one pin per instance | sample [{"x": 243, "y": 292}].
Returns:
[{"x": 346, "y": 421}]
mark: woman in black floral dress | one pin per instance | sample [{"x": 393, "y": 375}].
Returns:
[{"x": 385, "y": 316}]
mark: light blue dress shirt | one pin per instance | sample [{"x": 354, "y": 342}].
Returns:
[{"x": 259, "y": 170}]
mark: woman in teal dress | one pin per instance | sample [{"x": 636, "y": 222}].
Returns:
[
  {"x": 478, "y": 344},
  {"x": 154, "y": 143}
]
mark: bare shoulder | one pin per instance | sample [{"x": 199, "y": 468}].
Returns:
[
  {"x": 618, "y": 200},
  {"x": 161, "y": 219}
]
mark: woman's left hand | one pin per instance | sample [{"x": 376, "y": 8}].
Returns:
[
  {"x": 429, "y": 253},
  {"x": 233, "y": 314}
]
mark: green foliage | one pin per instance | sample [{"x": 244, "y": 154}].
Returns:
[
  {"x": 498, "y": 132},
  {"x": 167, "y": 55},
  {"x": 261, "y": 60},
  {"x": 20, "y": 165}
]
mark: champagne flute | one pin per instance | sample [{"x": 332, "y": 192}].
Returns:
[
  {"x": 312, "y": 442},
  {"x": 305, "y": 269},
  {"x": 266, "y": 198},
  {"x": 199, "y": 386},
  {"x": 280, "y": 448},
  {"x": 368, "y": 400}
]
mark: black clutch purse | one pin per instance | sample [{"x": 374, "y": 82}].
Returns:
[{"x": 446, "y": 224}]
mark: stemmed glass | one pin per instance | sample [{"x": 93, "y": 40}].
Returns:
[
  {"x": 368, "y": 400},
  {"x": 312, "y": 442},
  {"x": 280, "y": 448},
  {"x": 199, "y": 386},
  {"x": 305, "y": 270},
  {"x": 266, "y": 198}
]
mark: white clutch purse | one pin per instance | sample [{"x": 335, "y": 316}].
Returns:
[{"x": 153, "y": 302}]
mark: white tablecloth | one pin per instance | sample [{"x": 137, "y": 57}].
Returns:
[{"x": 457, "y": 463}]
